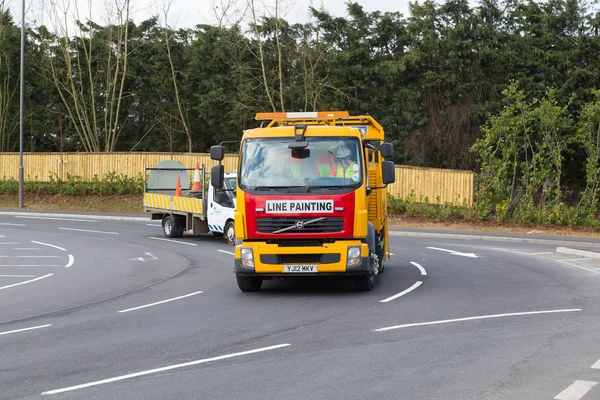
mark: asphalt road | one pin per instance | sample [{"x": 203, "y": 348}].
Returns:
[{"x": 98, "y": 309}]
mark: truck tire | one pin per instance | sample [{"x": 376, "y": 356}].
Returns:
[
  {"x": 229, "y": 233},
  {"x": 248, "y": 283},
  {"x": 180, "y": 229},
  {"x": 364, "y": 282},
  {"x": 169, "y": 227}
]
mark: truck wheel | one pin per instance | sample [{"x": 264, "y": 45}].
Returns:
[
  {"x": 169, "y": 228},
  {"x": 364, "y": 282},
  {"x": 180, "y": 230},
  {"x": 248, "y": 283},
  {"x": 229, "y": 233}
]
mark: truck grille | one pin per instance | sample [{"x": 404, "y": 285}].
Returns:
[{"x": 270, "y": 225}]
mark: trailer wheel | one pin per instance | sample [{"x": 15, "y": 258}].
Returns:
[
  {"x": 248, "y": 283},
  {"x": 169, "y": 228},
  {"x": 229, "y": 233}
]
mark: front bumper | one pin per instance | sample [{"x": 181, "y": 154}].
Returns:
[{"x": 329, "y": 259}]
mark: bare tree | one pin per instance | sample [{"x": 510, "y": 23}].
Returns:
[
  {"x": 81, "y": 87},
  {"x": 182, "y": 117}
]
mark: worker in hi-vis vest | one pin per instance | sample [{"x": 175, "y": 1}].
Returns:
[
  {"x": 344, "y": 167},
  {"x": 324, "y": 162}
]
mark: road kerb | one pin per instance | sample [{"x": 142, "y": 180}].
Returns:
[
  {"x": 492, "y": 238},
  {"x": 577, "y": 252},
  {"x": 63, "y": 215}
]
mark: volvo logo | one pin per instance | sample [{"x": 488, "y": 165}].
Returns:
[{"x": 299, "y": 225}]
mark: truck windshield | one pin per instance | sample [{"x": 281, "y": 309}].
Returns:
[{"x": 327, "y": 162}]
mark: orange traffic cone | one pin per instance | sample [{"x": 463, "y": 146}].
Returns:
[
  {"x": 178, "y": 187},
  {"x": 196, "y": 186}
]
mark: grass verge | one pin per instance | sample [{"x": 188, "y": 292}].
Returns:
[{"x": 127, "y": 203}]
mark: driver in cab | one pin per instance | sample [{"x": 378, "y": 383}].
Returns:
[{"x": 345, "y": 167}]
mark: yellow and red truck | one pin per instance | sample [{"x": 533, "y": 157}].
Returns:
[{"x": 311, "y": 198}]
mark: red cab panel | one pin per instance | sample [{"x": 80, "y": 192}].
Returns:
[{"x": 300, "y": 216}]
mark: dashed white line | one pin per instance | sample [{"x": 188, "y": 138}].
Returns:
[
  {"x": 60, "y": 219},
  {"x": 578, "y": 266},
  {"x": 29, "y": 265},
  {"x": 541, "y": 252},
  {"x": 226, "y": 252},
  {"x": 25, "y": 248},
  {"x": 160, "y": 302},
  {"x": 576, "y": 391},
  {"x": 410, "y": 289},
  {"x": 25, "y": 329},
  {"x": 28, "y": 256},
  {"x": 173, "y": 241},
  {"x": 25, "y": 282},
  {"x": 475, "y": 318},
  {"x": 71, "y": 261},
  {"x": 596, "y": 365},
  {"x": 18, "y": 276},
  {"x": 423, "y": 272},
  {"x": 9, "y": 224},
  {"x": 153, "y": 224},
  {"x": 49, "y": 245},
  {"x": 88, "y": 230},
  {"x": 170, "y": 367},
  {"x": 2, "y": 243}
]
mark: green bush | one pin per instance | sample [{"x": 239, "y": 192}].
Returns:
[{"x": 109, "y": 184}]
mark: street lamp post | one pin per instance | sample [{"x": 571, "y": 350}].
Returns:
[{"x": 22, "y": 111}]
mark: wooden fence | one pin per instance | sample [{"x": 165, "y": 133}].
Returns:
[{"x": 428, "y": 184}]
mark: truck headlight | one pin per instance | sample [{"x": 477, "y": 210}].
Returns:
[
  {"x": 247, "y": 257},
  {"x": 353, "y": 256}
]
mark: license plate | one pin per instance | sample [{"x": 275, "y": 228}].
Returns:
[{"x": 300, "y": 268}]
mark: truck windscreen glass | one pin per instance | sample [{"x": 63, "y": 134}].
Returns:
[{"x": 327, "y": 162}]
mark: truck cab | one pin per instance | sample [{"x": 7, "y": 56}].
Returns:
[{"x": 310, "y": 198}]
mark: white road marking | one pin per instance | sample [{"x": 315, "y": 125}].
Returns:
[
  {"x": 25, "y": 329},
  {"x": 578, "y": 266},
  {"x": 596, "y": 365},
  {"x": 88, "y": 230},
  {"x": 153, "y": 224},
  {"x": 423, "y": 272},
  {"x": 160, "y": 302},
  {"x": 171, "y": 367},
  {"x": 455, "y": 253},
  {"x": 576, "y": 259},
  {"x": 71, "y": 261},
  {"x": 540, "y": 253},
  {"x": 18, "y": 276},
  {"x": 152, "y": 255},
  {"x": 25, "y": 248},
  {"x": 9, "y": 242},
  {"x": 410, "y": 289},
  {"x": 9, "y": 224},
  {"x": 137, "y": 259},
  {"x": 25, "y": 282},
  {"x": 49, "y": 245},
  {"x": 576, "y": 391},
  {"x": 474, "y": 318},
  {"x": 59, "y": 219},
  {"x": 226, "y": 252},
  {"x": 28, "y": 256},
  {"x": 29, "y": 265},
  {"x": 174, "y": 241}
]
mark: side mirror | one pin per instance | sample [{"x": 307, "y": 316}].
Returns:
[
  {"x": 217, "y": 152},
  {"x": 386, "y": 150},
  {"x": 217, "y": 176},
  {"x": 388, "y": 172}
]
